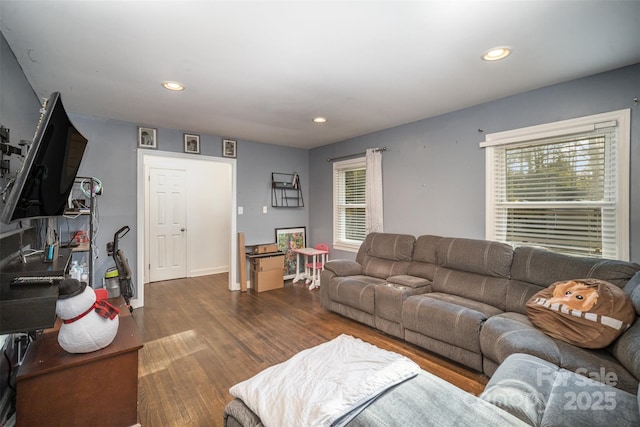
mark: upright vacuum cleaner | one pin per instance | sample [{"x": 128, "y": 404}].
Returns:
[{"x": 118, "y": 278}]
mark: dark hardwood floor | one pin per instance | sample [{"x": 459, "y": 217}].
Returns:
[{"x": 200, "y": 339}]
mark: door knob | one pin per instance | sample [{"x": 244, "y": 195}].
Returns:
[{"x": 182, "y": 229}]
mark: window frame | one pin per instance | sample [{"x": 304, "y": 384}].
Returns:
[
  {"x": 339, "y": 242},
  {"x": 620, "y": 118}
]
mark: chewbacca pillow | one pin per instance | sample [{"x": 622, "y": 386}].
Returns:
[{"x": 587, "y": 313}]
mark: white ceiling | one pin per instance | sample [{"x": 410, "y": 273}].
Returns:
[{"x": 262, "y": 70}]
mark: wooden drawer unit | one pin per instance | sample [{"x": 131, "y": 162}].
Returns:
[{"x": 56, "y": 388}]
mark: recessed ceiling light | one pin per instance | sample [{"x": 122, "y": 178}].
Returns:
[
  {"x": 173, "y": 85},
  {"x": 320, "y": 120},
  {"x": 496, "y": 54}
]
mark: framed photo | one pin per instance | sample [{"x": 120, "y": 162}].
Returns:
[
  {"x": 288, "y": 239},
  {"x": 229, "y": 148},
  {"x": 191, "y": 143},
  {"x": 147, "y": 137}
]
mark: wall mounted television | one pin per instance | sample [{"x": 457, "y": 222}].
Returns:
[{"x": 42, "y": 186}]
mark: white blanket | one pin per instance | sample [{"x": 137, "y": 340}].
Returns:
[{"x": 324, "y": 385}]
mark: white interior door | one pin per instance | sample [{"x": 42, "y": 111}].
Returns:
[{"x": 167, "y": 224}]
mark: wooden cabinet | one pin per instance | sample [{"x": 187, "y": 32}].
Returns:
[{"x": 56, "y": 388}]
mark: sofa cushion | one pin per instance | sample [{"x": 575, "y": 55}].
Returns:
[
  {"x": 518, "y": 293},
  {"x": 474, "y": 269},
  {"x": 589, "y": 313},
  {"x": 383, "y": 268},
  {"x": 394, "y": 247},
  {"x": 542, "y": 267},
  {"x": 343, "y": 267},
  {"x": 390, "y": 297},
  {"x": 484, "y": 257},
  {"x": 424, "y": 250},
  {"x": 486, "y": 289},
  {"x": 448, "y": 318},
  {"x": 632, "y": 288},
  {"x": 427, "y": 400},
  {"x": 424, "y": 260},
  {"x": 354, "y": 291},
  {"x": 627, "y": 349},
  {"x": 510, "y": 333},
  {"x": 540, "y": 393},
  {"x": 385, "y": 254}
]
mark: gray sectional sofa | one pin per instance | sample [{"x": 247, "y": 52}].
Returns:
[{"x": 464, "y": 299}]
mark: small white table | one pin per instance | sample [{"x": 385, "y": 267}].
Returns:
[{"x": 311, "y": 274}]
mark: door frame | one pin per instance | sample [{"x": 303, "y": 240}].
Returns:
[{"x": 145, "y": 157}]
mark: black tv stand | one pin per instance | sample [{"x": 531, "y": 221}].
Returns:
[{"x": 30, "y": 308}]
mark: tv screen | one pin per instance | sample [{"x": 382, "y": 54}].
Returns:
[{"x": 42, "y": 186}]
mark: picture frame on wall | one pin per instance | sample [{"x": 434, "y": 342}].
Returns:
[
  {"x": 288, "y": 239},
  {"x": 229, "y": 148},
  {"x": 191, "y": 143},
  {"x": 147, "y": 137}
]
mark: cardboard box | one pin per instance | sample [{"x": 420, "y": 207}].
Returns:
[
  {"x": 267, "y": 280},
  {"x": 268, "y": 263},
  {"x": 264, "y": 249}
]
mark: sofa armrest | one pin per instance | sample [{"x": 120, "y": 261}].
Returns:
[
  {"x": 540, "y": 393},
  {"x": 408, "y": 281},
  {"x": 343, "y": 267}
]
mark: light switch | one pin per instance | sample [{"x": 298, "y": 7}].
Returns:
[
  {"x": 240, "y": 210},
  {"x": 264, "y": 209}
]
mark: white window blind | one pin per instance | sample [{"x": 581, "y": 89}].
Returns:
[
  {"x": 349, "y": 224},
  {"x": 567, "y": 191}
]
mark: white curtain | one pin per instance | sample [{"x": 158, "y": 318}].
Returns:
[{"x": 374, "y": 210}]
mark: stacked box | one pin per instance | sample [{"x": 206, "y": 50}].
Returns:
[
  {"x": 267, "y": 272},
  {"x": 264, "y": 249}
]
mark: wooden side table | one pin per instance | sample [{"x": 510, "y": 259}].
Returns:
[{"x": 56, "y": 388}]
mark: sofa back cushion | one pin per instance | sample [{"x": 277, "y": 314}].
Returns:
[
  {"x": 475, "y": 269},
  {"x": 518, "y": 293},
  {"x": 484, "y": 257},
  {"x": 425, "y": 259},
  {"x": 385, "y": 254},
  {"x": 632, "y": 288},
  {"x": 542, "y": 267},
  {"x": 535, "y": 268},
  {"x": 627, "y": 348}
]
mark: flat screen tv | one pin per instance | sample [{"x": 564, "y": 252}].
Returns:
[{"x": 42, "y": 186}]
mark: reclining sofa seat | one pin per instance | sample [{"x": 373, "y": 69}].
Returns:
[
  {"x": 511, "y": 332},
  {"x": 348, "y": 287},
  {"x": 542, "y": 393},
  {"x": 469, "y": 287}
]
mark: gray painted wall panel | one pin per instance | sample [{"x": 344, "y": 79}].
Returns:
[{"x": 434, "y": 170}]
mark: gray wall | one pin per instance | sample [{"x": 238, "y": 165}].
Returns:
[
  {"x": 255, "y": 164},
  {"x": 434, "y": 170},
  {"x": 111, "y": 157}
]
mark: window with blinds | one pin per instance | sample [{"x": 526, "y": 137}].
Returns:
[
  {"x": 349, "y": 200},
  {"x": 566, "y": 191}
]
